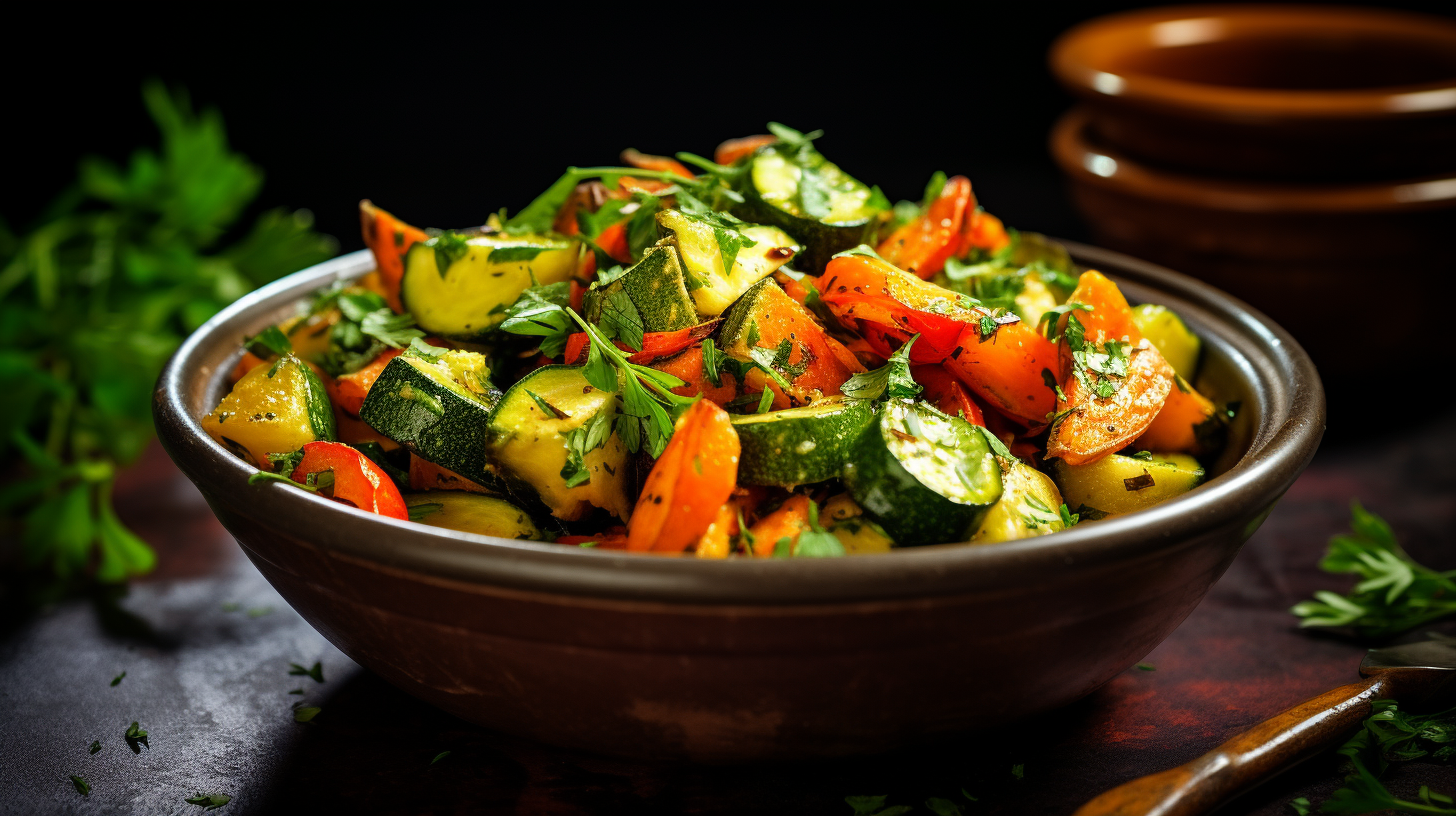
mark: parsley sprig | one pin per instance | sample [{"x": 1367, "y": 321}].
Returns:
[
  {"x": 648, "y": 405},
  {"x": 890, "y": 381},
  {"x": 540, "y": 311},
  {"x": 366, "y": 327},
  {"x": 1395, "y": 594},
  {"x": 1390, "y": 735},
  {"x": 1100, "y": 368},
  {"x": 94, "y": 300}
]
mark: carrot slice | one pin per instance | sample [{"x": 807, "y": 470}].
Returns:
[
  {"x": 827, "y": 364},
  {"x": 945, "y": 392},
  {"x": 688, "y": 367},
  {"x": 982, "y": 231},
  {"x": 349, "y": 390},
  {"x": 787, "y": 522},
  {"x": 689, "y": 483},
  {"x": 735, "y": 149},
  {"x": 1175, "y": 428},
  {"x": 646, "y": 161},
  {"x": 389, "y": 239},
  {"x": 923, "y": 245},
  {"x": 1006, "y": 369}
]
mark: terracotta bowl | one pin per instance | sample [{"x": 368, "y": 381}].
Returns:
[
  {"x": 724, "y": 661},
  {"x": 1270, "y": 91},
  {"x": 1306, "y": 254}
]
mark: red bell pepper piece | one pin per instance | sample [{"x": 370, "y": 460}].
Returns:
[
  {"x": 357, "y": 480},
  {"x": 654, "y": 344},
  {"x": 923, "y": 245}
]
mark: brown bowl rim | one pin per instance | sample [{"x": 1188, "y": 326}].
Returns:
[
  {"x": 1287, "y": 417},
  {"x": 1086, "y": 160},
  {"x": 1074, "y": 62}
]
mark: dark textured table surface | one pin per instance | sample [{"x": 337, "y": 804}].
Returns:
[{"x": 206, "y": 646}]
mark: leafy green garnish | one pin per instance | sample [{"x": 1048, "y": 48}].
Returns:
[
  {"x": 92, "y": 303},
  {"x": 440, "y": 756},
  {"x": 1099, "y": 368},
  {"x": 620, "y": 320},
  {"x": 645, "y": 393},
  {"x": 82, "y": 786},
  {"x": 316, "y": 671},
  {"x": 540, "y": 311},
  {"x": 366, "y": 327},
  {"x": 890, "y": 381},
  {"x": 449, "y": 247},
  {"x": 305, "y": 714},
  {"x": 424, "y": 510},
  {"x": 210, "y": 801},
  {"x": 582, "y": 440},
  {"x": 1395, "y": 594},
  {"x": 1390, "y": 735},
  {"x": 862, "y": 249},
  {"x": 95, "y": 747},
  {"x": 817, "y": 542},
  {"x": 116, "y": 681},
  {"x": 270, "y": 342}
]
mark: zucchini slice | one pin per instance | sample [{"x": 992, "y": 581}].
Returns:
[
  {"x": 438, "y": 408},
  {"x": 1171, "y": 336},
  {"x": 473, "y": 513},
  {"x": 276, "y": 407},
  {"x": 1030, "y": 506},
  {"x": 800, "y": 445},
  {"x": 530, "y": 444},
  {"x": 1119, "y": 484},
  {"x": 656, "y": 286},
  {"x": 927, "y": 478},
  {"x": 807, "y": 196},
  {"x": 713, "y": 285},
  {"x": 481, "y": 276}
]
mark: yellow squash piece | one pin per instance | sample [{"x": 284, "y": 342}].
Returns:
[
  {"x": 1029, "y": 506},
  {"x": 1122, "y": 484},
  {"x": 276, "y": 407},
  {"x": 1171, "y": 336},
  {"x": 472, "y": 513}
]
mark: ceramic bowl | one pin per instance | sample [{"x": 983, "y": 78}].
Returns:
[
  {"x": 1304, "y": 253},
  {"x": 1262, "y": 91},
  {"x": 726, "y": 661}
]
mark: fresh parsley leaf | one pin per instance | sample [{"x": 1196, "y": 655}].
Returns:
[
  {"x": 316, "y": 671},
  {"x": 791, "y": 137},
  {"x": 82, "y": 786},
  {"x": 1146, "y": 667},
  {"x": 210, "y": 801},
  {"x": 509, "y": 254},
  {"x": 270, "y": 342},
  {"x": 440, "y": 756},
  {"x": 1051, "y": 318},
  {"x": 1300, "y": 806},
  {"x": 933, "y": 189},
  {"x": 942, "y": 807},
  {"x": 817, "y": 542},
  {"x": 95, "y": 747},
  {"x": 769, "y": 360},
  {"x": 423, "y": 510},
  {"x": 862, "y": 249},
  {"x": 1395, "y": 594},
  {"x": 449, "y": 247},
  {"x": 890, "y": 381},
  {"x": 865, "y": 805},
  {"x": 419, "y": 348},
  {"x": 621, "y": 320},
  {"x": 305, "y": 714},
  {"x": 582, "y": 440},
  {"x": 116, "y": 681},
  {"x": 1051, "y": 382},
  {"x": 994, "y": 442},
  {"x": 1069, "y": 519}
]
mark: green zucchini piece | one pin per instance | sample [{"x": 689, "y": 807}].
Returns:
[
  {"x": 1030, "y": 506},
  {"x": 530, "y": 445},
  {"x": 713, "y": 287},
  {"x": 277, "y": 407},
  {"x": 799, "y": 191},
  {"x": 1172, "y": 337},
  {"x": 473, "y": 513},
  {"x": 658, "y": 288},
  {"x": 927, "y": 478},
  {"x": 799, "y": 446},
  {"x": 1122, "y": 484},
  {"x": 483, "y": 275},
  {"x": 438, "y": 408}
]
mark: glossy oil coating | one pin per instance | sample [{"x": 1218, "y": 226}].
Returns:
[{"x": 728, "y": 660}]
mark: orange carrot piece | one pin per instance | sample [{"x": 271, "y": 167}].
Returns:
[
  {"x": 389, "y": 239},
  {"x": 923, "y": 245},
  {"x": 1175, "y": 428},
  {"x": 787, "y": 522},
  {"x": 688, "y": 367},
  {"x": 1111, "y": 317},
  {"x": 1098, "y": 427},
  {"x": 646, "y": 161},
  {"x": 689, "y": 483},
  {"x": 945, "y": 392},
  {"x": 1006, "y": 370},
  {"x": 828, "y": 363},
  {"x": 735, "y": 149},
  {"x": 716, "y": 541},
  {"x": 982, "y": 231},
  {"x": 424, "y": 475},
  {"x": 349, "y": 390}
]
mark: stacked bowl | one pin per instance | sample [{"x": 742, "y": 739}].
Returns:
[{"x": 1302, "y": 158}]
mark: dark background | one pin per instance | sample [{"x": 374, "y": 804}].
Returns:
[{"x": 444, "y": 116}]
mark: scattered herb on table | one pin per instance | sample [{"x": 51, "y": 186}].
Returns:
[
  {"x": 296, "y": 691},
  {"x": 92, "y": 302},
  {"x": 874, "y": 806},
  {"x": 316, "y": 671},
  {"x": 116, "y": 681},
  {"x": 440, "y": 756},
  {"x": 95, "y": 747},
  {"x": 82, "y": 786},
  {"x": 210, "y": 801},
  {"x": 305, "y": 714},
  {"x": 1387, "y": 736},
  {"x": 1147, "y": 667},
  {"x": 1395, "y": 594},
  {"x": 260, "y": 611}
]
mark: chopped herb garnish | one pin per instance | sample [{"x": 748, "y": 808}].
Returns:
[
  {"x": 890, "y": 381},
  {"x": 116, "y": 681},
  {"x": 260, "y": 611},
  {"x": 1146, "y": 667},
  {"x": 95, "y": 747},
  {"x": 316, "y": 671},
  {"x": 540, "y": 311},
  {"x": 82, "y": 786},
  {"x": 582, "y": 440},
  {"x": 209, "y": 801},
  {"x": 424, "y": 510},
  {"x": 305, "y": 714},
  {"x": 440, "y": 756}
]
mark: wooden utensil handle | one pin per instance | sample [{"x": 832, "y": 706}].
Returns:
[{"x": 1247, "y": 759}]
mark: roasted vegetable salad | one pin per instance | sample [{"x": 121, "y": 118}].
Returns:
[{"x": 756, "y": 355}]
